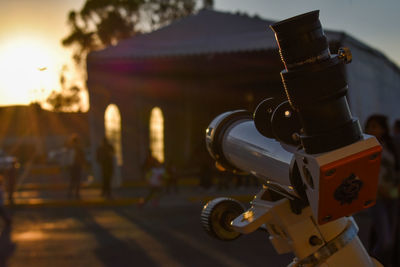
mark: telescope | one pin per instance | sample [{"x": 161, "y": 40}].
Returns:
[{"x": 317, "y": 166}]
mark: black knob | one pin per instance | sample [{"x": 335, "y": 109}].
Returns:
[{"x": 217, "y": 215}]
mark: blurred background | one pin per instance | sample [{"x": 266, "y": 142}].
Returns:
[{"x": 96, "y": 95}]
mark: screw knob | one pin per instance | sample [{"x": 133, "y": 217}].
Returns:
[
  {"x": 344, "y": 54},
  {"x": 217, "y": 215}
]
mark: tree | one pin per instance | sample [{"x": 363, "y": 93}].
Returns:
[
  {"x": 68, "y": 99},
  {"x": 101, "y": 23},
  {"x": 65, "y": 100}
]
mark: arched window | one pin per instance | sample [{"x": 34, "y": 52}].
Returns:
[
  {"x": 112, "y": 125},
  {"x": 157, "y": 134}
]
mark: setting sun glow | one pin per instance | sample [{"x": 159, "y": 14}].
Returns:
[{"x": 27, "y": 70}]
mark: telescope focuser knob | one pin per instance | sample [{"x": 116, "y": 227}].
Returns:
[
  {"x": 344, "y": 54},
  {"x": 217, "y": 215}
]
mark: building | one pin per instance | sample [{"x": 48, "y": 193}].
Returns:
[{"x": 160, "y": 90}]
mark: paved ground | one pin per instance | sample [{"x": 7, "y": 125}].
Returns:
[
  {"x": 127, "y": 236},
  {"x": 91, "y": 196},
  {"x": 92, "y": 231}
]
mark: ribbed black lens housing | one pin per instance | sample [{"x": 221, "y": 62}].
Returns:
[
  {"x": 315, "y": 84},
  {"x": 301, "y": 40}
]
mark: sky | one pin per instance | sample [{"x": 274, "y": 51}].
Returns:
[
  {"x": 31, "y": 55},
  {"x": 376, "y": 23}
]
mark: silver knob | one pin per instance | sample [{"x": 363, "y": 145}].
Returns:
[{"x": 217, "y": 215}]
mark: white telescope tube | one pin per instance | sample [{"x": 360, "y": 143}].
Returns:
[{"x": 233, "y": 140}]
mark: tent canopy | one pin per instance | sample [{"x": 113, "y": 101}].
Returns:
[{"x": 208, "y": 31}]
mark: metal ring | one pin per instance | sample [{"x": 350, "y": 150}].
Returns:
[{"x": 330, "y": 248}]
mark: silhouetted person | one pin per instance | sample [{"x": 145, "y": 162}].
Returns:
[
  {"x": 3, "y": 212},
  {"x": 396, "y": 136},
  {"x": 78, "y": 161},
  {"x": 148, "y": 163},
  {"x": 396, "y": 141},
  {"x": 155, "y": 177},
  {"x": 7, "y": 246},
  {"x": 11, "y": 174},
  {"x": 171, "y": 179},
  {"x": 384, "y": 221},
  {"x": 105, "y": 157},
  {"x": 206, "y": 174},
  {"x": 224, "y": 176}
]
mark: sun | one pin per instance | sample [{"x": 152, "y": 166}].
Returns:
[{"x": 27, "y": 70}]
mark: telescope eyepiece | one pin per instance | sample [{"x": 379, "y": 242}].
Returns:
[
  {"x": 315, "y": 84},
  {"x": 301, "y": 40}
]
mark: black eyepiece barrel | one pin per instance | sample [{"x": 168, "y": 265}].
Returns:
[
  {"x": 301, "y": 40},
  {"x": 315, "y": 84}
]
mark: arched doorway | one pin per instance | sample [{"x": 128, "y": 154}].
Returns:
[
  {"x": 157, "y": 134},
  {"x": 112, "y": 126}
]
